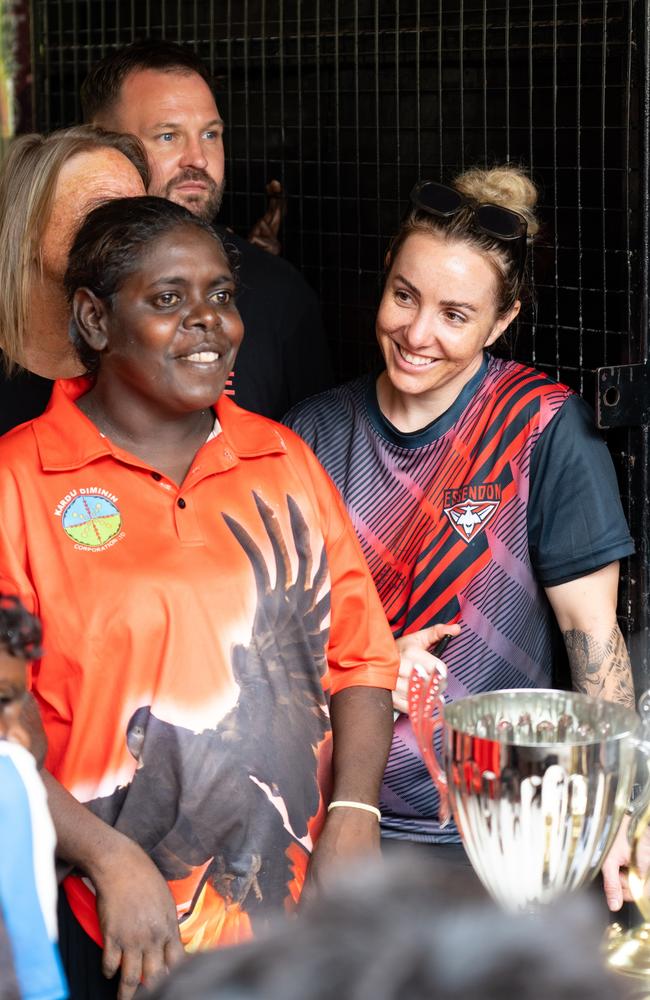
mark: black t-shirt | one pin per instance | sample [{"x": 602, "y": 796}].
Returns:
[
  {"x": 284, "y": 356},
  {"x": 23, "y": 396}
]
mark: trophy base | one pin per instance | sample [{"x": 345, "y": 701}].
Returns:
[{"x": 628, "y": 952}]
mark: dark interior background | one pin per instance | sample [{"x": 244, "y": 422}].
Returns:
[{"x": 348, "y": 102}]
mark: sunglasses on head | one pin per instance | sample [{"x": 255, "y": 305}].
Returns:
[{"x": 494, "y": 220}]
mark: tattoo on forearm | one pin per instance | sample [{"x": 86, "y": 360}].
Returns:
[{"x": 600, "y": 669}]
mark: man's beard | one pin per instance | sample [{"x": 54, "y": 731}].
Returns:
[{"x": 205, "y": 205}]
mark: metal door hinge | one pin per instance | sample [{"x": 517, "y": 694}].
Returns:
[{"x": 623, "y": 395}]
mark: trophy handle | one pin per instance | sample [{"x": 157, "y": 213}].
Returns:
[
  {"x": 629, "y": 951},
  {"x": 638, "y": 807},
  {"x": 426, "y": 712}
]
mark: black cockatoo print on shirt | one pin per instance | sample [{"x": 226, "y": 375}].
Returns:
[{"x": 236, "y": 797}]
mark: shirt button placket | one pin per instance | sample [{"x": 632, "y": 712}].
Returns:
[{"x": 187, "y": 522}]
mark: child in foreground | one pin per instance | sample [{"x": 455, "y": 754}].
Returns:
[{"x": 29, "y": 961}]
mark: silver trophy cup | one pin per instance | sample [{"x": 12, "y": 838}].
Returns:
[{"x": 538, "y": 782}]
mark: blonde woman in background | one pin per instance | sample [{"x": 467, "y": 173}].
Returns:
[
  {"x": 47, "y": 185},
  {"x": 479, "y": 488}
]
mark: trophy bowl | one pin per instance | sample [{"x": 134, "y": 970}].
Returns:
[{"x": 537, "y": 781}]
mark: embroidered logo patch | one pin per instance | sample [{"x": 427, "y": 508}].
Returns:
[
  {"x": 471, "y": 508},
  {"x": 91, "y": 520}
]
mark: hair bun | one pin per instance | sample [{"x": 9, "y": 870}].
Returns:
[{"x": 507, "y": 186}]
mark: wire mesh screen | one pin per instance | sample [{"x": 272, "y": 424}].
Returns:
[{"x": 348, "y": 102}]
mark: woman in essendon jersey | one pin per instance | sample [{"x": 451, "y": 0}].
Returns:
[
  {"x": 479, "y": 488},
  {"x": 216, "y": 670}
]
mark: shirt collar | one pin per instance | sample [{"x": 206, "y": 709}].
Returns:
[
  {"x": 430, "y": 432},
  {"x": 248, "y": 434},
  {"x": 67, "y": 439}
]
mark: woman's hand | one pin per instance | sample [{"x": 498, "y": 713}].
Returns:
[
  {"x": 616, "y": 866},
  {"x": 348, "y": 834},
  {"x": 414, "y": 650},
  {"x": 265, "y": 232},
  {"x": 137, "y": 917}
]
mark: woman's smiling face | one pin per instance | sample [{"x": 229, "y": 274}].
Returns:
[
  {"x": 437, "y": 314},
  {"x": 172, "y": 330}
]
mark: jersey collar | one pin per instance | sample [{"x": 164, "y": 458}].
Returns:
[
  {"x": 437, "y": 428},
  {"x": 67, "y": 439}
]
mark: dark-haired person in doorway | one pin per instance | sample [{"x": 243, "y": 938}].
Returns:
[
  {"x": 161, "y": 92},
  {"x": 215, "y": 681},
  {"x": 480, "y": 489}
]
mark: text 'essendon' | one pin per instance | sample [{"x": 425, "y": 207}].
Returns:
[{"x": 478, "y": 492}]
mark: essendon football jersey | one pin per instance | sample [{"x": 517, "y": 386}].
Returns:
[{"x": 455, "y": 527}]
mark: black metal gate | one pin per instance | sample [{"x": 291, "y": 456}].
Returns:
[{"x": 347, "y": 102}]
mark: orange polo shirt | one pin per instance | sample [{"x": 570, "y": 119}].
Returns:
[{"x": 192, "y": 637}]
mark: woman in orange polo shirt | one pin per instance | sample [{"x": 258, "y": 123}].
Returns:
[{"x": 208, "y": 617}]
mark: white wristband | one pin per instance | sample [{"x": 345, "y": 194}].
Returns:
[{"x": 341, "y": 804}]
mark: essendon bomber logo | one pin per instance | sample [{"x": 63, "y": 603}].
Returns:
[{"x": 471, "y": 508}]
